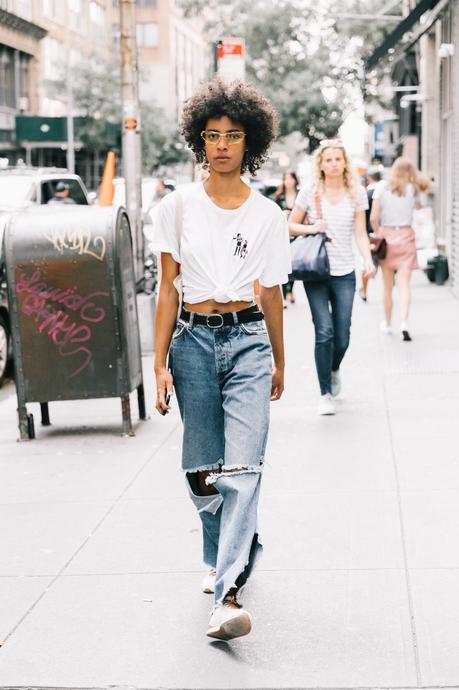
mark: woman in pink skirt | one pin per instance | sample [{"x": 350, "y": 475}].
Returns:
[{"x": 394, "y": 201}]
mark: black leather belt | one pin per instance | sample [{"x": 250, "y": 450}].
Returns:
[{"x": 230, "y": 318}]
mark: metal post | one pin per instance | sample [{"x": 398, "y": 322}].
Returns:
[
  {"x": 131, "y": 150},
  {"x": 70, "y": 134}
]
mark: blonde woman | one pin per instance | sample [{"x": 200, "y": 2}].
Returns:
[
  {"x": 394, "y": 201},
  {"x": 342, "y": 204}
]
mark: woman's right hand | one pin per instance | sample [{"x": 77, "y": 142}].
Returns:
[
  {"x": 319, "y": 226},
  {"x": 164, "y": 386}
]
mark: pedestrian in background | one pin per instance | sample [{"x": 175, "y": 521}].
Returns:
[
  {"x": 61, "y": 195},
  {"x": 161, "y": 190},
  {"x": 342, "y": 204},
  {"x": 373, "y": 177},
  {"x": 285, "y": 198},
  {"x": 225, "y": 366},
  {"x": 394, "y": 201}
]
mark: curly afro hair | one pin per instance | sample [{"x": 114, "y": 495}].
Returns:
[{"x": 241, "y": 103}]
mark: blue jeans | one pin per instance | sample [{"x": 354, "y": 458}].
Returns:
[
  {"x": 331, "y": 303},
  {"x": 222, "y": 378}
]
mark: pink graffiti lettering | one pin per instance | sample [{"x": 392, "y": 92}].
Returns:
[
  {"x": 88, "y": 310},
  {"x": 65, "y": 331}
]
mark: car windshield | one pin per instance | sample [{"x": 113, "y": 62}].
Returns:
[{"x": 14, "y": 190}]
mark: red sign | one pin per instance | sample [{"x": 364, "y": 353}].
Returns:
[
  {"x": 230, "y": 53},
  {"x": 230, "y": 46}
]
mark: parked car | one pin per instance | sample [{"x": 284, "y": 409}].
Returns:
[{"x": 24, "y": 187}]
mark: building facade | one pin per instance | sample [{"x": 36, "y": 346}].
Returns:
[
  {"x": 173, "y": 54},
  {"x": 423, "y": 55},
  {"x": 42, "y": 40},
  {"x": 21, "y": 34}
]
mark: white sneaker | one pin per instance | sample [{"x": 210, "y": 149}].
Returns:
[
  {"x": 208, "y": 583},
  {"x": 335, "y": 383},
  {"x": 385, "y": 327},
  {"x": 326, "y": 404},
  {"x": 227, "y": 622}
]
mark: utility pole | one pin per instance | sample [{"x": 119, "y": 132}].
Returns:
[
  {"x": 131, "y": 143},
  {"x": 70, "y": 133}
]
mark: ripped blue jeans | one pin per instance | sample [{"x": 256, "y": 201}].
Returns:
[{"x": 222, "y": 379}]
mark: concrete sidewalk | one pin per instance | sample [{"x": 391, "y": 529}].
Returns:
[{"x": 358, "y": 587}]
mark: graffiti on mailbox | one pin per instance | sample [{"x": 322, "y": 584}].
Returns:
[
  {"x": 64, "y": 316},
  {"x": 77, "y": 240}
]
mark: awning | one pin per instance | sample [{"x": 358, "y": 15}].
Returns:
[
  {"x": 400, "y": 30},
  {"x": 50, "y": 132}
]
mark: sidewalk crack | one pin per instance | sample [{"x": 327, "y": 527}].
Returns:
[{"x": 414, "y": 637}]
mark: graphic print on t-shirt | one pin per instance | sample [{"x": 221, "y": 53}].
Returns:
[{"x": 241, "y": 246}]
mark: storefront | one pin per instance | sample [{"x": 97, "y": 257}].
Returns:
[
  {"x": 42, "y": 142},
  {"x": 429, "y": 37}
]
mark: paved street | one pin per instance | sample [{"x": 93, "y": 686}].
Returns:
[{"x": 359, "y": 583}]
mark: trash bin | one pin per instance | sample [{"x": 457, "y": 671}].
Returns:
[
  {"x": 437, "y": 270},
  {"x": 72, "y": 297}
]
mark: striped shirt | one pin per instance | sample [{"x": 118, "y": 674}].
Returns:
[{"x": 339, "y": 221}]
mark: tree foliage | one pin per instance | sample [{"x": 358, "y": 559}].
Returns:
[
  {"x": 303, "y": 56},
  {"x": 96, "y": 90}
]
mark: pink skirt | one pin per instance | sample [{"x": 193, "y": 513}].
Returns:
[{"x": 401, "y": 247}]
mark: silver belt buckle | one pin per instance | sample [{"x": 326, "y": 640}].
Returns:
[{"x": 214, "y": 316}]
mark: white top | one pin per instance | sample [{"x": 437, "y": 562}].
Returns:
[
  {"x": 339, "y": 221},
  {"x": 222, "y": 252},
  {"x": 396, "y": 210}
]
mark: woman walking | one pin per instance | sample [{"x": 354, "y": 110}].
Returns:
[
  {"x": 394, "y": 201},
  {"x": 285, "y": 198},
  {"x": 373, "y": 177},
  {"x": 224, "y": 363},
  {"x": 334, "y": 205}
]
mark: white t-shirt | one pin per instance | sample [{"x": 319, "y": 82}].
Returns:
[
  {"x": 222, "y": 252},
  {"x": 339, "y": 220},
  {"x": 396, "y": 210}
]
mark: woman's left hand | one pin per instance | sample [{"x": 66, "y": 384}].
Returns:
[
  {"x": 370, "y": 270},
  {"x": 277, "y": 386}
]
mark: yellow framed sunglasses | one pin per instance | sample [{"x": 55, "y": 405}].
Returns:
[{"x": 211, "y": 136}]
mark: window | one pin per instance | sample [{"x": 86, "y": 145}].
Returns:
[
  {"x": 140, "y": 3},
  {"x": 7, "y": 90},
  {"x": 188, "y": 67},
  {"x": 24, "y": 8},
  {"x": 148, "y": 35},
  {"x": 14, "y": 78},
  {"x": 76, "y": 192},
  {"x": 54, "y": 9},
  {"x": 76, "y": 15},
  {"x": 97, "y": 17},
  {"x": 24, "y": 81},
  {"x": 75, "y": 57},
  {"x": 54, "y": 58}
]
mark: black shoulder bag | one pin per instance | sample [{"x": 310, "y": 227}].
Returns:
[{"x": 309, "y": 254}]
